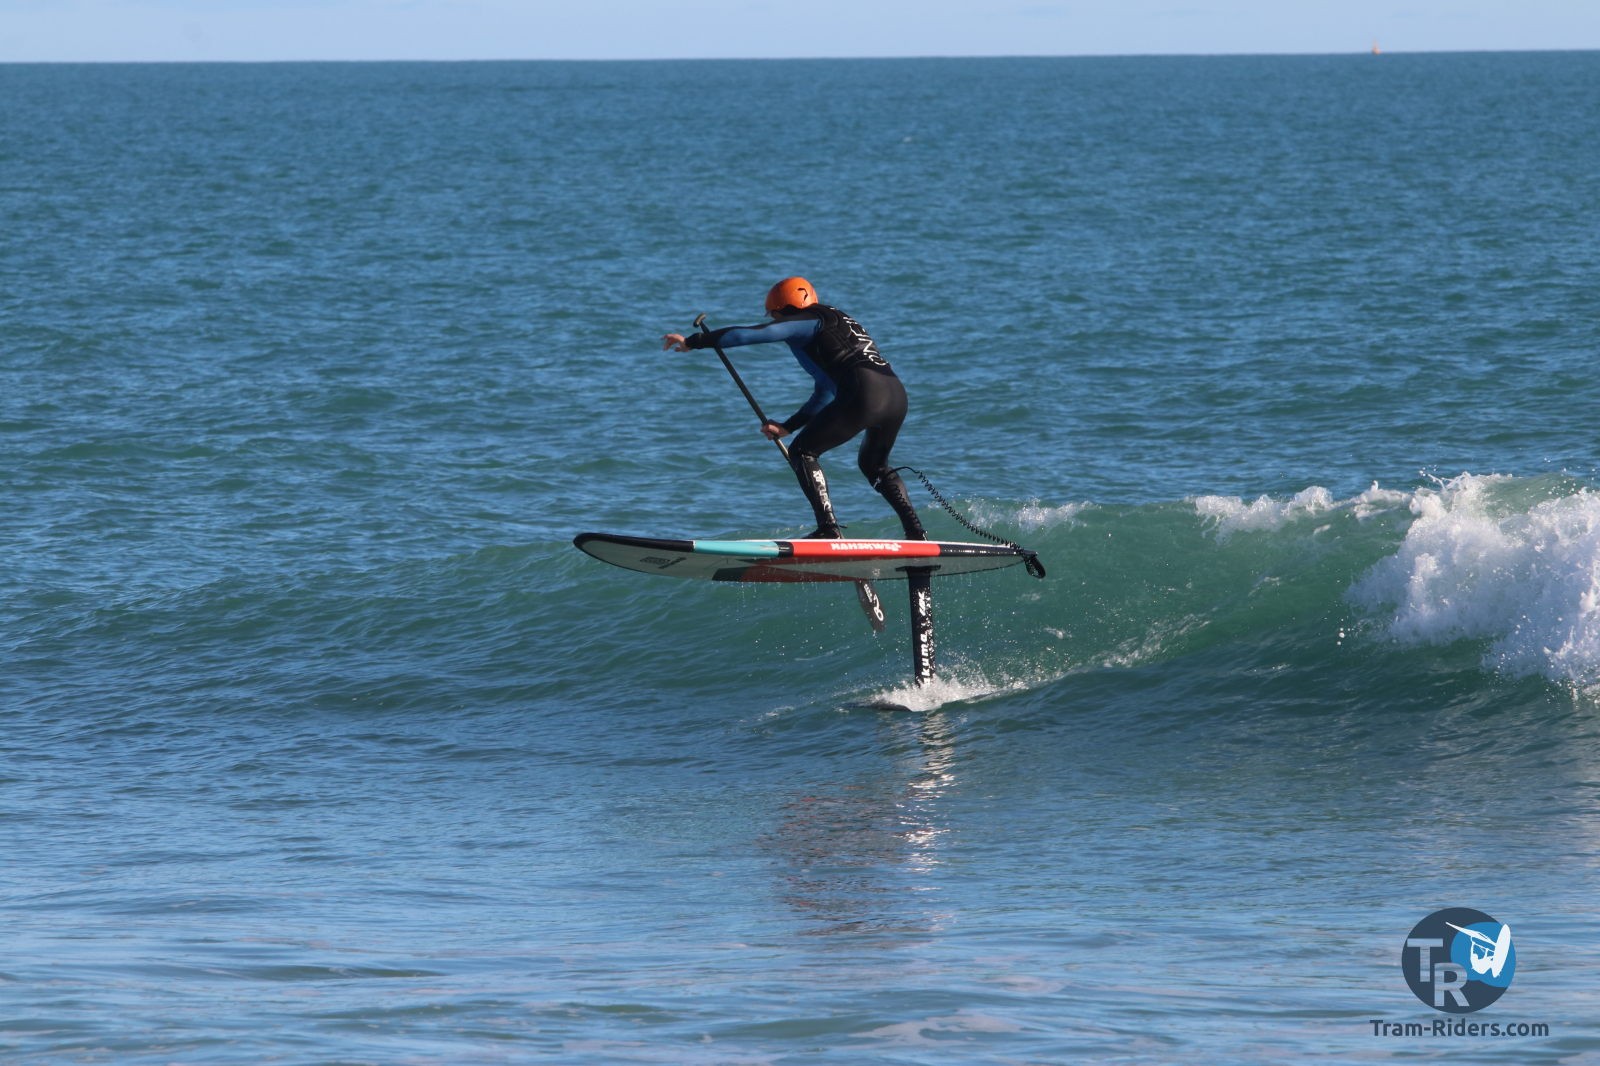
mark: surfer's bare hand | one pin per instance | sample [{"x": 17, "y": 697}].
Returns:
[
  {"x": 674, "y": 341},
  {"x": 772, "y": 431}
]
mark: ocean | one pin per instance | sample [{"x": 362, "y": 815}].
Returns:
[{"x": 322, "y": 744}]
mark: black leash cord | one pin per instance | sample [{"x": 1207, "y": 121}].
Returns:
[{"x": 1030, "y": 559}]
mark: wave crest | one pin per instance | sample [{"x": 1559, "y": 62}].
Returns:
[
  {"x": 1484, "y": 561},
  {"x": 1230, "y": 514}
]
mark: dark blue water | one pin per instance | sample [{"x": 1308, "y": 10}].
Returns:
[{"x": 322, "y": 744}]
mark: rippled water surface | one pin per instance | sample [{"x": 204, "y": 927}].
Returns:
[{"x": 322, "y": 744}]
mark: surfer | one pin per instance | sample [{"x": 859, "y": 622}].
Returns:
[{"x": 855, "y": 391}]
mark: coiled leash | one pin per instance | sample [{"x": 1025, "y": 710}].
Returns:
[{"x": 1030, "y": 559}]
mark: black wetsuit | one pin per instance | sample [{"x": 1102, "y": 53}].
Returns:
[{"x": 855, "y": 390}]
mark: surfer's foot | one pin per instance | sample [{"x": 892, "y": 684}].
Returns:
[
  {"x": 892, "y": 489},
  {"x": 911, "y": 524},
  {"x": 823, "y": 533}
]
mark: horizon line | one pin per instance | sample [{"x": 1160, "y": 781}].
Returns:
[{"x": 1366, "y": 52}]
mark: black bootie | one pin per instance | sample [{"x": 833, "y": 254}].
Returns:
[
  {"x": 815, "y": 485},
  {"x": 891, "y": 488}
]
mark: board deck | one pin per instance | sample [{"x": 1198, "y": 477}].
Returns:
[{"x": 797, "y": 560}]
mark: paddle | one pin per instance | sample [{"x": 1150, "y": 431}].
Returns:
[
  {"x": 700, "y": 324},
  {"x": 871, "y": 606}
]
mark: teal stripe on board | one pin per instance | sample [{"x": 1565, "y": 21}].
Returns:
[{"x": 755, "y": 549}]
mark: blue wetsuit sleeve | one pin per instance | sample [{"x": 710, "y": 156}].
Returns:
[
  {"x": 822, "y": 393},
  {"x": 796, "y": 333},
  {"x": 793, "y": 331}
]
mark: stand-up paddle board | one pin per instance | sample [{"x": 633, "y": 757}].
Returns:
[{"x": 800, "y": 560}]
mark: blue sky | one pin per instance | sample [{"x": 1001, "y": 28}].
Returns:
[{"x": 99, "y": 30}]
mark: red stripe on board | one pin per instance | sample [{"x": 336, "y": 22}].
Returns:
[
  {"x": 792, "y": 575},
  {"x": 864, "y": 549}
]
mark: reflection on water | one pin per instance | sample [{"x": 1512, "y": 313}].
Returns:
[{"x": 856, "y": 857}]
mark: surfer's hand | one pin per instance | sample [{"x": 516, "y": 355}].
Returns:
[
  {"x": 772, "y": 431},
  {"x": 674, "y": 341}
]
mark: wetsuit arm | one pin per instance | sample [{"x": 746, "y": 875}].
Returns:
[
  {"x": 822, "y": 393},
  {"x": 794, "y": 330},
  {"x": 796, "y": 333}
]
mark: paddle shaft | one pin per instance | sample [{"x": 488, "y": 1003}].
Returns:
[{"x": 700, "y": 323}]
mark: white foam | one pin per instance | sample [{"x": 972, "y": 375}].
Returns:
[
  {"x": 1377, "y": 500},
  {"x": 1030, "y": 517},
  {"x": 1231, "y": 514},
  {"x": 955, "y": 687},
  {"x": 1035, "y": 515},
  {"x": 1478, "y": 563}
]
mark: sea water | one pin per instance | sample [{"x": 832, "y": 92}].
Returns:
[{"x": 322, "y": 744}]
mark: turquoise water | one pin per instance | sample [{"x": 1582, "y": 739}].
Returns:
[{"x": 322, "y": 744}]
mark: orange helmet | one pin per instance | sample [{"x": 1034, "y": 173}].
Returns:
[{"x": 792, "y": 293}]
